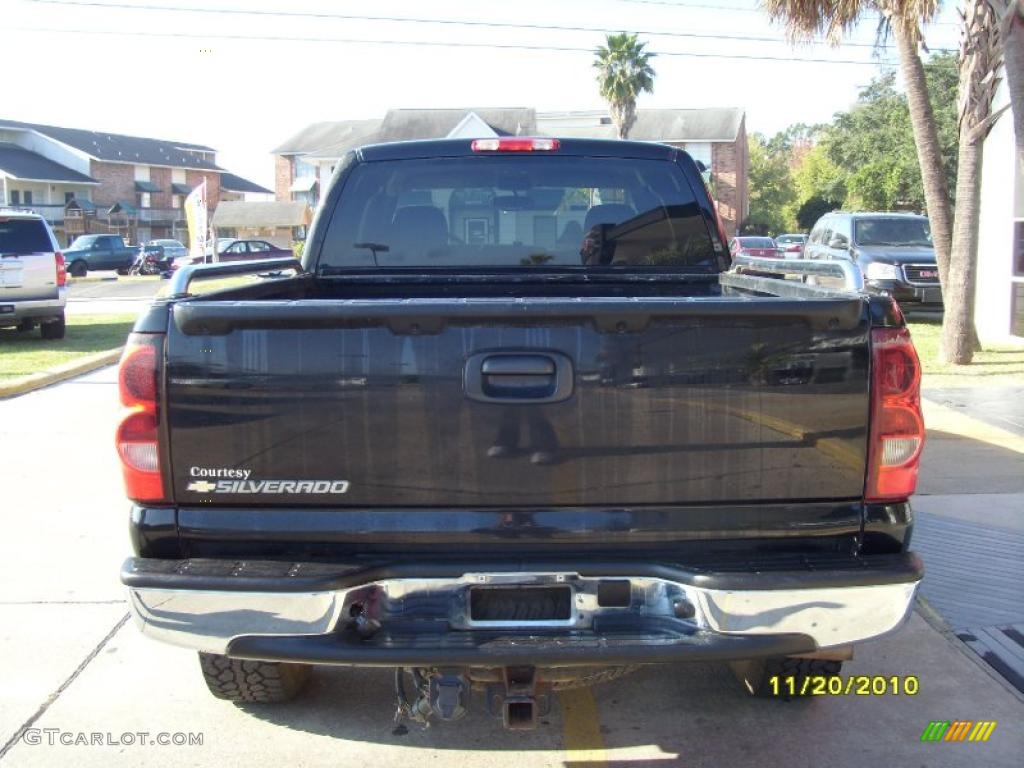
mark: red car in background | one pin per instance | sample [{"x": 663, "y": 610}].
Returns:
[
  {"x": 749, "y": 245},
  {"x": 237, "y": 250}
]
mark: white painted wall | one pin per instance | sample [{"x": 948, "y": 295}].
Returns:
[
  {"x": 44, "y": 193},
  {"x": 1002, "y": 202},
  {"x": 472, "y": 126},
  {"x": 326, "y": 171}
]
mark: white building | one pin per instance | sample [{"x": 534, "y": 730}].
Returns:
[{"x": 999, "y": 300}]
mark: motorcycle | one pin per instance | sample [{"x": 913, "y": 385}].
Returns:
[{"x": 150, "y": 261}]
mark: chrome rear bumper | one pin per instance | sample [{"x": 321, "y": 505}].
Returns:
[{"x": 391, "y": 615}]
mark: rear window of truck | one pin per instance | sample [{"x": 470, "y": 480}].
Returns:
[
  {"x": 517, "y": 211},
  {"x": 20, "y": 236}
]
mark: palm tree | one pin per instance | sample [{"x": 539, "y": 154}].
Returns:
[
  {"x": 805, "y": 19},
  {"x": 1010, "y": 22},
  {"x": 980, "y": 59},
  {"x": 623, "y": 72}
]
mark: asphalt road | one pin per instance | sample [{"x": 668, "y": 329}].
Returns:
[
  {"x": 72, "y": 663},
  {"x": 104, "y": 293}
]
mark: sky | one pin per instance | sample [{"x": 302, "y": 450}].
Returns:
[{"x": 242, "y": 76}]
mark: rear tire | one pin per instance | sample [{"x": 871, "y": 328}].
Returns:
[
  {"x": 793, "y": 678},
  {"x": 78, "y": 269},
  {"x": 55, "y": 330},
  {"x": 259, "y": 682}
]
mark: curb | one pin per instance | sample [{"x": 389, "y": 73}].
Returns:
[
  {"x": 70, "y": 370},
  {"x": 87, "y": 279},
  {"x": 954, "y": 425}
]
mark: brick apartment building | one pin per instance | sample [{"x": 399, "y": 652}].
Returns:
[
  {"x": 88, "y": 181},
  {"x": 715, "y": 137}
]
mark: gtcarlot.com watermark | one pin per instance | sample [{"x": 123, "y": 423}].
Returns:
[{"x": 57, "y": 737}]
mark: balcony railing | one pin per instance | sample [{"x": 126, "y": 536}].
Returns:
[
  {"x": 163, "y": 215},
  {"x": 53, "y": 213}
]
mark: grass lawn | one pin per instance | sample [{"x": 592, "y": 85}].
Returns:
[
  {"x": 992, "y": 367},
  {"x": 22, "y": 354}
]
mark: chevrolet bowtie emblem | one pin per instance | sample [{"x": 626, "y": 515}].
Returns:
[{"x": 201, "y": 486}]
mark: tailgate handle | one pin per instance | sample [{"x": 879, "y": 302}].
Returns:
[
  {"x": 518, "y": 377},
  {"x": 518, "y": 365}
]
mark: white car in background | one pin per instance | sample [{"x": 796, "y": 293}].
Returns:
[
  {"x": 32, "y": 275},
  {"x": 791, "y": 246}
]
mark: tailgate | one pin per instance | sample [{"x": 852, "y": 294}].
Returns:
[
  {"x": 525, "y": 402},
  {"x": 28, "y": 277}
]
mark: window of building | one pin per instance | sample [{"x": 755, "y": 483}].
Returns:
[
  {"x": 1018, "y": 248},
  {"x": 1017, "y": 309},
  {"x": 27, "y": 195},
  {"x": 303, "y": 169},
  {"x": 175, "y": 201},
  {"x": 68, "y": 197},
  {"x": 144, "y": 199},
  {"x": 15, "y": 197},
  {"x": 142, "y": 173}
]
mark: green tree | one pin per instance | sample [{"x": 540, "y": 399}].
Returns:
[
  {"x": 805, "y": 19},
  {"x": 812, "y": 209},
  {"x": 771, "y": 188},
  {"x": 871, "y": 157},
  {"x": 623, "y": 72},
  {"x": 817, "y": 176}
]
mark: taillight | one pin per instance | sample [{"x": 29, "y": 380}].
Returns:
[
  {"x": 896, "y": 434},
  {"x": 515, "y": 144},
  {"x": 138, "y": 444},
  {"x": 62, "y": 272}
]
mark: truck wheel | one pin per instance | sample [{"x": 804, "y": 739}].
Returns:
[
  {"x": 78, "y": 269},
  {"x": 785, "y": 677},
  {"x": 263, "y": 682},
  {"x": 54, "y": 330}
]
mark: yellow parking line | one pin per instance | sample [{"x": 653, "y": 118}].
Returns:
[
  {"x": 941, "y": 419},
  {"x": 581, "y": 728}
]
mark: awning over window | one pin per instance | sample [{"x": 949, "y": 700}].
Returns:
[
  {"x": 124, "y": 208},
  {"x": 84, "y": 205},
  {"x": 146, "y": 186},
  {"x": 303, "y": 184},
  {"x": 181, "y": 189}
]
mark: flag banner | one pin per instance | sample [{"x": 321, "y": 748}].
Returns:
[{"x": 195, "y": 215}]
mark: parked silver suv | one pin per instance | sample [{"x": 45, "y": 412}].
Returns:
[{"x": 32, "y": 275}]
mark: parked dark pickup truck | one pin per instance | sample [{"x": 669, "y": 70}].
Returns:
[
  {"x": 99, "y": 252},
  {"x": 513, "y": 425}
]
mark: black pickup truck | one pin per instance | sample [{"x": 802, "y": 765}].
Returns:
[{"x": 514, "y": 424}]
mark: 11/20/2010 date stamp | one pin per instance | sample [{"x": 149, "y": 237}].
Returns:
[{"x": 836, "y": 685}]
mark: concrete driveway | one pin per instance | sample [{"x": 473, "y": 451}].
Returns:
[{"x": 71, "y": 663}]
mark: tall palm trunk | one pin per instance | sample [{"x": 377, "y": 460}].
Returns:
[
  {"x": 958, "y": 333},
  {"x": 926, "y": 139},
  {"x": 979, "y": 62},
  {"x": 1011, "y": 28}
]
